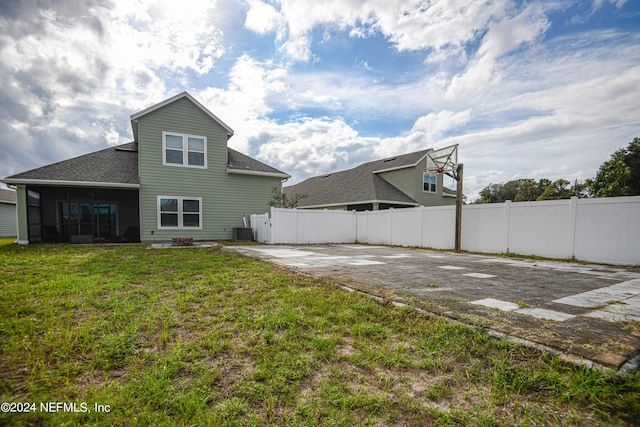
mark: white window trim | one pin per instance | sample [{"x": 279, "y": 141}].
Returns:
[
  {"x": 185, "y": 151},
  {"x": 180, "y": 226},
  {"x": 423, "y": 182}
]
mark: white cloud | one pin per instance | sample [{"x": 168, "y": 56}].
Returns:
[
  {"x": 261, "y": 18},
  {"x": 245, "y": 102},
  {"x": 310, "y": 146},
  {"x": 501, "y": 38},
  {"x": 436, "y": 124},
  {"x": 442, "y": 25}
]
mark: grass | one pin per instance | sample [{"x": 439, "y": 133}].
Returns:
[{"x": 204, "y": 337}]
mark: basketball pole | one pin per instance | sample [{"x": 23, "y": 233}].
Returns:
[{"x": 459, "y": 207}]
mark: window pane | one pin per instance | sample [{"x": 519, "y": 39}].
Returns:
[
  {"x": 85, "y": 213},
  {"x": 196, "y": 144},
  {"x": 429, "y": 182},
  {"x": 174, "y": 156},
  {"x": 196, "y": 159},
  {"x": 168, "y": 205},
  {"x": 191, "y": 206},
  {"x": 191, "y": 220},
  {"x": 168, "y": 220},
  {"x": 173, "y": 141}
]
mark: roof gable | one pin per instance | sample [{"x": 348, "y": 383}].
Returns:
[
  {"x": 137, "y": 116},
  {"x": 360, "y": 184}
]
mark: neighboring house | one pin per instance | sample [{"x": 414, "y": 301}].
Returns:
[
  {"x": 177, "y": 178},
  {"x": 8, "y": 213},
  {"x": 396, "y": 182}
]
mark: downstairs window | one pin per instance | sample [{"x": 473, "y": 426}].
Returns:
[{"x": 179, "y": 212}]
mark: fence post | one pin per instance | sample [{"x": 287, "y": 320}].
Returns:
[
  {"x": 507, "y": 224},
  {"x": 355, "y": 226},
  {"x": 390, "y": 226},
  {"x": 573, "y": 212},
  {"x": 295, "y": 223},
  {"x": 326, "y": 226},
  {"x": 273, "y": 225},
  {"x": 420, "y": 224},
  {"x": 366, "y": 227}
]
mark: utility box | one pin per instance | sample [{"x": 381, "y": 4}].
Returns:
[{"x": 242, "y": 234}]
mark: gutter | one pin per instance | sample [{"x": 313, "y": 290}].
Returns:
[
  {"x": 51, "y": 182},
  {"x": 258, "y": 173}
]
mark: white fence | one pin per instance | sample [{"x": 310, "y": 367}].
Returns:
[{"x": 597, "y": 230}]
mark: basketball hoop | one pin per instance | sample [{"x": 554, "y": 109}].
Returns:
[{"x": 444, "y": 160}]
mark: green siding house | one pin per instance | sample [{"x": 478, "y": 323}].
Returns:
[
  {"x": 177, "y": 178},
  {"x": 396, "y": 182}
]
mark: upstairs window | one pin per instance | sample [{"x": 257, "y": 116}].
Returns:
[
  {"x": 184, "y": 150},
  {"x": 429, "y": 183}
]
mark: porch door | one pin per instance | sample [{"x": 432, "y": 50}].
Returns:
[
  {"x": 85, "y": 222},
  {"x": 105, "y": 220}
]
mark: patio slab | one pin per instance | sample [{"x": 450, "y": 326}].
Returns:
[{"x": 585, "y": 313}]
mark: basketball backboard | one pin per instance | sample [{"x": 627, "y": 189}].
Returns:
[{"x": 443, "y": 160}]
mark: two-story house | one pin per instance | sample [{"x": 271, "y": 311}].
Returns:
[
  {"x": 396, "y": 182},
  {"x": 177, "y": 178}
]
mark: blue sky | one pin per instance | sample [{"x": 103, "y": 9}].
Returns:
[{"x": 538, "y": 89}]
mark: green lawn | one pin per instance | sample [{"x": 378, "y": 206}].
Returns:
[{"x": 204, "y": 337}]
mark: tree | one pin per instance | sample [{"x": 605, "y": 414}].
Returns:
[
  {"x": 557, "y": 190},
  {"x": 620, "y": 175},
  {"x": 516, "y": 190},
  {"x": 633, "y": 162},
  {"x": 280, "y": 200},
  {"x": 528, "y": 191}
]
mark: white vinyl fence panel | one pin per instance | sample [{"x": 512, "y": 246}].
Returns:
[
  {"x": 597, "y": 230},
  {"x": 608, "y": 230},
  {"x": 261, "y": 225},
  {"x": 485, "y": 228}
]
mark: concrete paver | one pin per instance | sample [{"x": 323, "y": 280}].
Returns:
[{"x": 589, "y": 313}]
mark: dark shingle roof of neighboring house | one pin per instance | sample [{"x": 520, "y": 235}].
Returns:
[
  {"x": 118, "y": 166},
  {"x": 358, "y": 185},
  {"x": 240, "y": 163},
  {"x": 7, "y": 196},
  {"x": 114, "y": 166}
]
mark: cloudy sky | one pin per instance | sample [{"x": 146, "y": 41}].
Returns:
[{"x": 537, "y": 89}]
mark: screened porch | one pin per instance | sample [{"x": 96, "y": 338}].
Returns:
[{"x": 82, "y": 215}]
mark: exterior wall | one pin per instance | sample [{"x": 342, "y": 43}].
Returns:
[
  {"x": 8, "y": 225},
  {"x": 225, "y": 197},
  {"x": 409, "y": 181}
]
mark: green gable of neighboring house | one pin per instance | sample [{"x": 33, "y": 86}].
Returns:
[
  {"x": 177, "y": 178},
  {"x": 393, "y": 182}
]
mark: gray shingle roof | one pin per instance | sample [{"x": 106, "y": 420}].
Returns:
[
  {"x": 7, "y": 196},
  {"x": 117, "y": 165},
  {"x": 359, "y": 184},
  {"x": 240, "y": 162}
]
